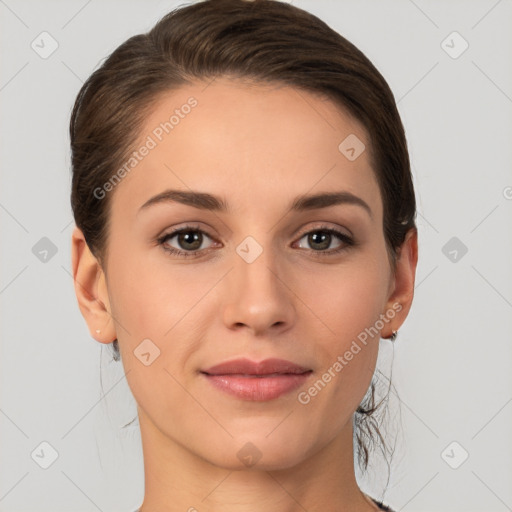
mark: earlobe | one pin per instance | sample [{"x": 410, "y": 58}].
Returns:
[
  {"x": 400, "y": 300},
  {"x": 91, "y": 290}
]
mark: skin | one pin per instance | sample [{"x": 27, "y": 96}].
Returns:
[{"x": 258, "y": 147}]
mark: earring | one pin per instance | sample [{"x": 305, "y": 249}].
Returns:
[
  {"x": 97, "y": 331},
  {"x": 393, "y": 336}
]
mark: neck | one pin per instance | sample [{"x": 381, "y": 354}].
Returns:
[{"x": 176, "y": 479}]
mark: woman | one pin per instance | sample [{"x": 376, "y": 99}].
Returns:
[{"x": 245, "y": 235}]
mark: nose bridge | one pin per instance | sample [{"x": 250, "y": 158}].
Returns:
[
  {"x": 256, "y": 266},
  {"x": 257, "y": 296}
]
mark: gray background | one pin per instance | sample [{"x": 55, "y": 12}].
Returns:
[{"x": 452, "y": 359}]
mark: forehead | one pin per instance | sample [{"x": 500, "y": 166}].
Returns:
[{"x": 266, "y": 141}]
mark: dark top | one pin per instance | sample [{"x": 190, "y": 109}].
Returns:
[{"x": 382, "y": 506}]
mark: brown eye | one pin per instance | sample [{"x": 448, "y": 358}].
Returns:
[
  {"x": 319, "y": 240},
  {"x": 187, "y": 241}
]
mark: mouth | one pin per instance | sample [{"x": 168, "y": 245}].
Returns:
[{"x": 257, "y": 381}]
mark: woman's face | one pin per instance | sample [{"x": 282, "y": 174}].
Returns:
[{"x": 268, "y": 280}]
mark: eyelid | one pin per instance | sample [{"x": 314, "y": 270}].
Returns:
[
  {"x": 300, "y": 233},
  {"x": 327, "y": 227},
  {"x": 347, "y": 240},
  {"x": 161, "y": 239}
]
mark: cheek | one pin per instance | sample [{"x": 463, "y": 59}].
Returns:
[
  {"x": 149, "y": 295},
  {"x": 346, "y": 298},
  {"x": 348, "y": 350}
]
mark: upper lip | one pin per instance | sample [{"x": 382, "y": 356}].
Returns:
[{"x": 248, "y": 367}]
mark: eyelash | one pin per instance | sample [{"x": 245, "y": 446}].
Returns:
[{"x": 347, "y": 241}]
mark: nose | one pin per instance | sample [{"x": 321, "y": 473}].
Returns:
[{"x": 258, "y": 297}]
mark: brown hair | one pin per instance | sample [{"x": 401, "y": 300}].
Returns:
[{"x": 265, "y": 41}]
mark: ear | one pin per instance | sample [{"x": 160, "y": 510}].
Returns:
[
  {"x": 402, "y": 283},
  {"x": 91, "y": 290}
]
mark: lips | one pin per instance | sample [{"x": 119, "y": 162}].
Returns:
[
  {"x": 247, "y": 367},
  {"x": 257, "y": 381}
]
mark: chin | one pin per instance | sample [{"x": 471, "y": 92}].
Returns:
[{"x": 259, "y": 452}]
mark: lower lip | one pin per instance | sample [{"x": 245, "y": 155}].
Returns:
[{"x": 258, "y": 388}]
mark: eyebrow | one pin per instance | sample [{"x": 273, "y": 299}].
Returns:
[{"x": 205, "y": 201}]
